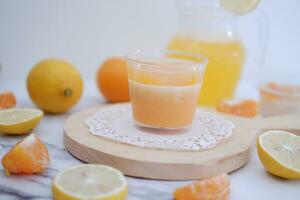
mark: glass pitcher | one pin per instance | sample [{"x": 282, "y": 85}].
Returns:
[{"x": 206, "y": 28}]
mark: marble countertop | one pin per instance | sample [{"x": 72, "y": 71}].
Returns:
[{"x": 248, "y": 183}]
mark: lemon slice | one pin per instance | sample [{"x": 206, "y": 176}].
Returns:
[
  {"x": 279, "y": 152},
  {"x": 239, "y": 6},
  {"x": 19, "y": 120},
  {"x": 89, "y": 181}
]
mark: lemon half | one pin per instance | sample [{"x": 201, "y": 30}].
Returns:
[
  {"x": 239, "y": 6},
  {"x": 19, "y": 120},
  {"x": 279, "y": 152},
  {"x": 90, "y": 181}
]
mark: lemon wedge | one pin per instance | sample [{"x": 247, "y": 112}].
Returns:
[
  {"x": 19, "y": 120},
  {"x": 89, "y": 181},
  {"x": 239, "y": 6},
  {"x": 279, "y": 152}
]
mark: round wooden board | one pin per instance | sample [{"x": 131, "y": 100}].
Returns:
[{"x": 228, "y": 156}]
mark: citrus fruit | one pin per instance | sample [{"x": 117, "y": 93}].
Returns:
[
  {"x": 7, "y": 100},
  {"x": 279, "y": 152},
  {"x": 245, "y": 108},
  {"x": 215, "y": 188},
  {"x": 112, "y": 80},
  {"x": 89, "y": 181},
  {"x": 19, "y": 120},
  {"x": 29, "y": 156},
  {"x": 54, "y": 85},
  {"x": 239, "y": 6}
]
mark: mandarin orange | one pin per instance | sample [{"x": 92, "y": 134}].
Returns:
[
  {"x": 7, "y": 100},
  {"x": 112, "y": 80},
  {"x": 246, "y": 108},
  {"x": 215, "y": 188},
  {"x": 29, "y": 156}
]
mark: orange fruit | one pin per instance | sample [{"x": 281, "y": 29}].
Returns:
[
  {"x": 29, "y": 156},
  {"x": 246, "y": 108},
  {"x": 112, "y": 80},
  {"x": 215, "y": 188},
  {"x": 7, "y": 100}
]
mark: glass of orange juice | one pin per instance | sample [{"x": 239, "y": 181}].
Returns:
[{"x": 164, "y": 87}]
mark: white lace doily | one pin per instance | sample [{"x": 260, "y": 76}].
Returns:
[{"x": 116, "y": 123}]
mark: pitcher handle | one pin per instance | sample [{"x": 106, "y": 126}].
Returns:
[{"x": 263, "y": 35}]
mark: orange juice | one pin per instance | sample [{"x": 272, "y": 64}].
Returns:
[
  {"x": 226, "y": 59},
  {"x": 164, "y": 91},
  {"x": 163, "y": 106}
]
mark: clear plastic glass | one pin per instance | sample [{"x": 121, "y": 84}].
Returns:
[
  {"x": 164, "y": 87},
  {"x": 279, "y": 99}
]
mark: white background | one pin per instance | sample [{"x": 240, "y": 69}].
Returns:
[{"x": 87, "y": 32}]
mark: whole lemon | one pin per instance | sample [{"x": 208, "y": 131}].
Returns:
[
  {"x": 54, "y": 85},
  {"x": 112, "y": 80}
]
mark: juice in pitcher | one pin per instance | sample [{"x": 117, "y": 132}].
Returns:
[
  {"x": 226, "y": 59},
  {"x": 207, "y": 29}
]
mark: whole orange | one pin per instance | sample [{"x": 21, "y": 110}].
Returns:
[{"x": 112, "y": 80}]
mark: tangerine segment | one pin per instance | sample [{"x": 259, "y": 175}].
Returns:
[
  {"x": 7, "y": 100},
  {"x": 246, "y": 108},
  {"x": 215, "y": 188},
  {"x": 29, "y": 156}
]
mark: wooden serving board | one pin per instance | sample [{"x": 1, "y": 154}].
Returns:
[{"x": 228, "y": 156}]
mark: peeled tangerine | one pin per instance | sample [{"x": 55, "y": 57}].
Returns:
[
  {"x": 245, "y": 108},
  {"x": 7, "y": 100},
  {"x": 215, "y": 188},
  {"x": 29, "y": 156}
]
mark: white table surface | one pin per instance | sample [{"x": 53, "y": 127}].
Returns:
[{"x": 248, "y": 183}]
